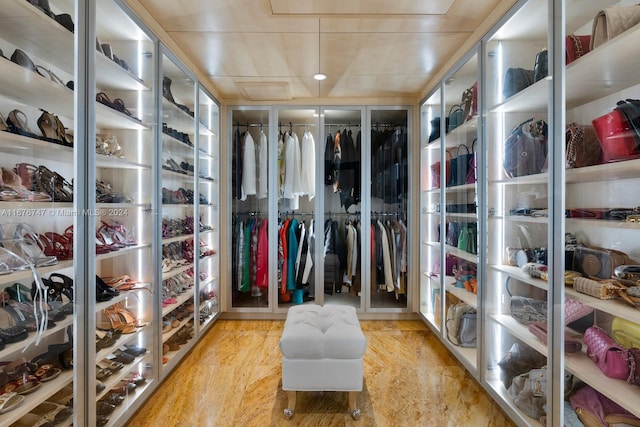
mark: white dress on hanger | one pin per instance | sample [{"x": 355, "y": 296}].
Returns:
[
  {"x": 263, "y": 169},
  {"x": 308, "y": 169},
  {"x": 249, "y": 168}
]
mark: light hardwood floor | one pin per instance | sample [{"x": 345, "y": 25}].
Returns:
[{"x": 232, "y": 378}]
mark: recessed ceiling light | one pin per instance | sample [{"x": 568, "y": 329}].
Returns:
[{"x": 320, "y": 76}]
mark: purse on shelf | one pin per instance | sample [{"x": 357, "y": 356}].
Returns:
[
  {"x": 571, "y": 345},
  {"x": 607, "y": 289},
  {"x": 596, "y": 410},
  {"x": 626, "y": 333},
  {"x": 612, "y": 22},
  {"x": 576, "y": 47},
  {"x": 525, "y": 150},
  {"x": 515, "y": 80},
  {"x": 583, "y": 148},
  {"x": 435, "y": 171},
  {"x": 455, "y": 117},
  {"x": 470, "y": 102},
  {"x": 460, "y": 166},
  {"x": 453, "y": 233},
  {"x": 455, "y": 313},
  {"x": 435, "y": 128},
  {"x": 613, "y": 359},
  {"x": 529, "y": 392},
  {"x": 616, "y": 137},
  {"x": 599, "y": 262},
  {"x": 610, "y": 214},
  {"x": 630, "y": 109},
  {"x": 468, "y": 238},
  {"x": 520, "y": 358},
  {"x": 528, "y": 310},
  {"x": 468, "y": 329},
  {"x": 472, "y": 174},
  {"x": 541, "y": 66}
]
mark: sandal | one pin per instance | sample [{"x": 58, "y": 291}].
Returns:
[
  {"x": 18, "y": 124},
  {"x": 51, "y": 74},
  {"x": 21, "y": 58},
  {"x": 53, "y": 184},
  {"x": 9, "y": 401},
  {"x": 13, "y": 182},
  {"x": 52, "y": 129},
  {"x": 102, "y": 98},
  {"x": 52, "y": 412},
  {"x": 31, "y": 420}
]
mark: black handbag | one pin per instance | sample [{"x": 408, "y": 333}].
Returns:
[
  {"x": 460, "y": 166},
  {"x": 541, "y": 67},
  {"x": 435, "y": 128},
  {"x": 525, "y": 150},
  {"x": 515, "y": 80}
]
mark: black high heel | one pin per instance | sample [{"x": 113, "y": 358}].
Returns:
[{"x": 166, "y": 89}]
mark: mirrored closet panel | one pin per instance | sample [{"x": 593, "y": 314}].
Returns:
[
  {"x": 296, "y": 190},
  {"x": 389, "y": 166},
  {"x": 180, "y": 195},
  {"x": 250, "y": 207},
  {"x": 342, "y": 230},
  {"x": 430, "y": 197}
]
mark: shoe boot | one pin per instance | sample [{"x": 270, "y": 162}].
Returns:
[{"x": 166, "y": 89}]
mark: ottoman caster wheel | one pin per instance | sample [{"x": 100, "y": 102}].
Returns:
[
  {"x": 288, "y": 413},
  {"x": 355, "y": 414}
]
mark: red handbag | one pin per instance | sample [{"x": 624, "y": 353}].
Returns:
[
  {"x": 435, "y": 172},
  {"x": 616, "y": 137},
  {"x": 576, "y": 46},
  {"x": 613, "y": 360}
]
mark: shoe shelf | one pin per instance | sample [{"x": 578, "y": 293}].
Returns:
[
  {"x": 111, "y": 162},
  {"x": 123, "y": 251},
  {"x": 21, "y": 275},
  {"x": 27, "y": 87},
  {"x": 181, "y": 299},
  {"x": 181, "y": 120},
  {"x": 463, "y": 295},
  {"x": 174, "y": 357},
  {"x": 177, "y": 176},
  {"x": 206, "y": 156},
  {"x": 126, "y": 408},
  {"x": 518, "y": 274},
  {"x": 173, "y": 331},
  {"x": 107, "y": 206},
  {"x": 175, "y": 146},
  {"x": 46, "y": 390},
  {"x": 177, "y": 238},
  {"x": 175, "y": 271},
  {"x": 124, "y": 339},
  {"x": 112, "y": 380},
  {"x": 105, "y": 304},
  {"x": 13, "y": 348},
  {"x": 206, "y": 282},
  {"x": 207, "y": 180},
  {"x": 39, "y": 35}
]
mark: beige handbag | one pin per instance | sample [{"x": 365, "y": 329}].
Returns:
[{"x": 612, "y": 22}]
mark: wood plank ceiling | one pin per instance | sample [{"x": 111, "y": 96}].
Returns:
[{"x": 268, "y": 50}]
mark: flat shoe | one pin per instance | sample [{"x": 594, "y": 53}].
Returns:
[
  {"x": 9, "y": 401},
  {"x": 134, "y": 350}
]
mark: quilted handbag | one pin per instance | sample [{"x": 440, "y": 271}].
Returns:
[
  {"x": 574, "y": 310},
  {"x": 583, "y": 148},
  {"x": 612, "y": 22},
  {"x": 625, "y": 332},
  {"x": 525, "y": 150},
  {"x": 575, "y": 47},
  {"x": 613, "y": 360},
  {"x": 616, "y": 137}
]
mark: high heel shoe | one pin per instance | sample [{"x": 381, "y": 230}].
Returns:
[
  {"x": 113, "y": 321},
  {"x": 166, "y": 89},
  {"x": 12, "y": 181}
]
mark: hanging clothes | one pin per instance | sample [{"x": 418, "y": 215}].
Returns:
[
  {"x": 292, "y": 253},
  {"x": 237, "y": 163},
  {"x": 349, "y": 164},
  {"x": 239, "y": 253},
  {"x": 283, "y": 255},
  {"x": 292, "y": 188},
  {"x": 246, "y": 257},
  {"x": 308, "y": 165},
  {"x": 281, "y": 165},
  {"x": 263, "y": 169},
  {"x": 307, "y": 276},
  {"x": 386, "y": 258},
  {"x": 302, "y": 249},
  {"x": 350, "y": 243},
  {"x": 337, "y": 160},
  {"x": 328, "y": 160},
  {"x": 249, "y": 177},
  {"x": 262, "y": 256}
]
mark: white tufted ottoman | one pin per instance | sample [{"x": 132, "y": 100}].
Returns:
[{"x": 322, "y": 349}]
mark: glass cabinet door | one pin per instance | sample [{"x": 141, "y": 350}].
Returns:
[
  {"x": 342, "y": 230},
  {"x": 430, "y": 230},
  {"x": 297, "y": 230},
  {"x": 601, "y": 197},
  {"x": 459, "y": 212},
  {"x": 249, "y": 286},
  {"x": 208, "y": 231},
  {"x": 514, "y": 293},
  {"x": 36, "y": 208},
  {"x": 124, "y": 263},
  {"x": 179, "y": 197},
  {"x": 389, "y": 147}
]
